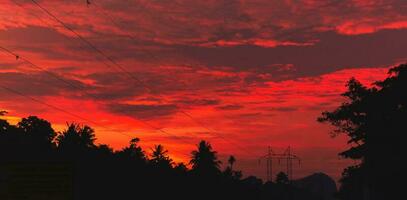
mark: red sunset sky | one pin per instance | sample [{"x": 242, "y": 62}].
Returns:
[{"x": 256, "y": 72}]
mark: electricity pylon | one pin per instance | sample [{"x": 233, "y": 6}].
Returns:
[{"x": 286, "y": 156}]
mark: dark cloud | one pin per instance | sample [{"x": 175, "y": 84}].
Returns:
[
  {"x": 67, "y": 69},
  {"x": 322, "y": 106},
  {"x": 108, "y": 93},
  {"x": 162, "y": 84},
  {"x": 230, "y": 107},
  {"x": 333, "y": 52},
  {"x": 115, "y": 85},
  {"x": 198, "y": 102},
  {"x": 47, "y": 42},
  {"x": 42, "y": 84},
  {"x": 10, "y": 65},
  {"x": 183, "y": 31},
  {"x": 250, "y": 115},
  {"x": 284, "y": 109},
  {"x": 33, "y": 35},
  {"x": 144, "y": 112}
]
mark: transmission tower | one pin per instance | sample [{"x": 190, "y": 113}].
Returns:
[{"x": 287, "y": 157}]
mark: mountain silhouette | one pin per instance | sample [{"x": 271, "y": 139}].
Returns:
[{"x": 319, "y": 184}]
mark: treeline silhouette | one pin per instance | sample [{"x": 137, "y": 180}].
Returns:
[
  {"x": 375, "y": 121},
  {"x": 38, "y": 163}
]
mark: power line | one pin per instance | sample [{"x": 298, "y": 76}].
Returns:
[
  {"x": 87, "y": 42},
  {"x": 73, "y": 85},
  {"x": 67, "y": 112},
  {"x": 133, "y": 38},
  {"x": 54, "y": 26},
  {"x": 57, "y": 77},
  {"x": 120, "y": 67},
  {"x": 18, "y": 57},
  {"x": 211, "y": 130},
  {"x": 129, "y": 35},
  {"x": 65, "y": 81},
  {"x": 56, "y": 108},
  {"x": 278, "y": 35}
]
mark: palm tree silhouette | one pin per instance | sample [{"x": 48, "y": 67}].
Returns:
[
  {"x": 231, "y": 161},
  {"x": 160, "y": 157},
  {"x": 76, "y": 137},
  {"x": 205, "y": 160}
]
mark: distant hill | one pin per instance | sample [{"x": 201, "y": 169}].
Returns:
[{"x": 319, "y": 184}]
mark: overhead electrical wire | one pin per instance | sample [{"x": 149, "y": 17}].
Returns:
[
  {"x": 59, "y": 78},
  {"x": 117, "y": 65},
  {"x": 87, "y": 42},
  {"x": 79, "y": 87},
  {"x": 10, "y": 90}
]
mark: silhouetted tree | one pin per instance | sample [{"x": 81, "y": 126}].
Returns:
[
  {"x": 104, "y": 149},
  {"x": 231, "y": 161},
  {"x": 11, "y": 139},
  {"x": 229, "y": 172},
  {"x": 133, "y": 151},
  {"x": 181, "y": 168},
  {"x": 40, "y": 130},
  {"x": 76, "y": 137},
  {"x": 160, "y": 158},
  {"x": 351, "y": 183},
  {"x": 282, "y": 178},
  {"x": 4, "y": 125},
  {"x": 204, "y": 160},
  {"x": 96, "y": 171},
  {"x": 375, "y": 120}
]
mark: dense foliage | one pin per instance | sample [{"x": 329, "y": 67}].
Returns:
[
  {"x": 375, "y": 121},
  {"x": 38, "y": 163}
]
